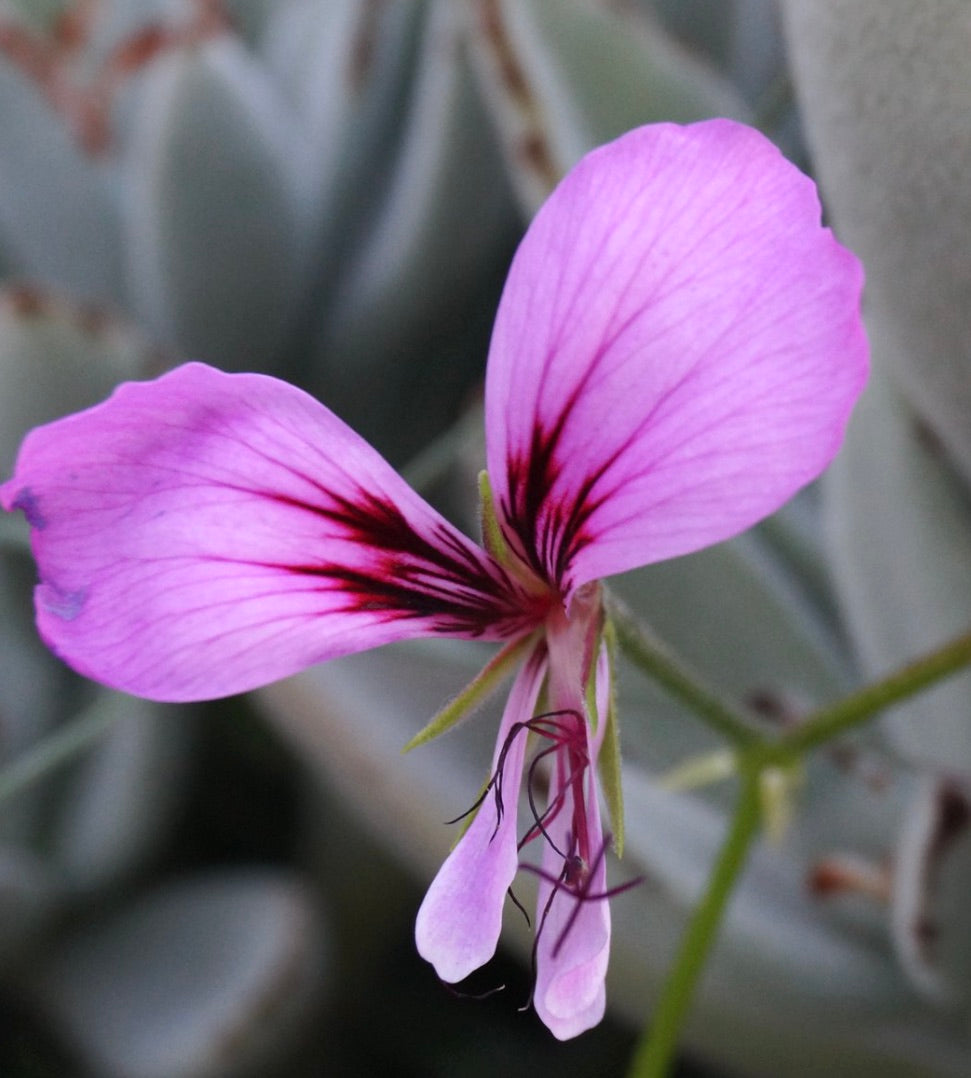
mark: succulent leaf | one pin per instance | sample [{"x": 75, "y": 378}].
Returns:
[
  {"x": 899, "y": 515},
  {"x": 216, "y": 216}
]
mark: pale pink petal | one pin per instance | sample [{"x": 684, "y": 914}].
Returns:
[
  {"x": 459, "y": 921},
  {"x": 677, "y": 351},
  {"x": 207, "y": 533},
  {"x": 573, "y": 946},
  {"x": 573, "y": 941}
]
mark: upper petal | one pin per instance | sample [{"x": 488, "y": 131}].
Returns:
[
  {"x": 676, "y": 352},
  {"x": 207, "y": 533}
]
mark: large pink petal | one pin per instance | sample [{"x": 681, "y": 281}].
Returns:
[
  {"x": 677, "y": 351},
  {"x": 207, "y": 533},
  {"x": 459, "y": 921}
]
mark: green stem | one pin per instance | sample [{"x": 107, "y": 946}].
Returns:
[
  {"x": 643, "y": 649},
  {"x": 61, "y": 746},
  {"x": 655, "y": 1052},
  {"x": 654, "y": 1055},
  {"x": 858, "y": 707}
]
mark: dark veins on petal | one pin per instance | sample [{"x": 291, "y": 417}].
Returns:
[
  {"x": 443, "y": 577},
  {"x": 550, "y": 532}
]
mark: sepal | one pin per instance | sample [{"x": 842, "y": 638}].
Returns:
[{"x": 478, "y": 690}]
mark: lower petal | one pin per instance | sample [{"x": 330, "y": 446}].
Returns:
[
  {"x": 573, "y": 946},
  {"x": 460, "y": 920}
]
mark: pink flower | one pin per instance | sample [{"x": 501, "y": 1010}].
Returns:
[{"x": 676, "y": 352}]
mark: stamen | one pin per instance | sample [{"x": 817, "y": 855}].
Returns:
[
  {"x": 519, "y": 906},
  {"x": 495, "y": 782},
  {"x": 475, "y": 804},
  {"x": 535, "y": 949},
  {"x": 575, "y": 879},
  {"x": 572, "y": 738},
  {"x": 561, "y": 734},
  {"x": 476, "y": 996},
  {"x": 541, "y": 819}
]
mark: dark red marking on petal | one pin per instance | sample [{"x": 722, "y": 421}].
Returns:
[
  {"x": 548, "y": 534},
  {"x": 442, "y": 577}
]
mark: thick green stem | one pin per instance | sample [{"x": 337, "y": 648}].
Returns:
[
  {"x": 672, "y": 674},
  {"x": 656, "y": 1051}
]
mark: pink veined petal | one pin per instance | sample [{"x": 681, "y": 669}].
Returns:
[
  {"x": 460, "y": 919},
  {"x": 573, "y": 947},
  {"x": 207, "y": 533},
  {"x": 676, "y": 352}
]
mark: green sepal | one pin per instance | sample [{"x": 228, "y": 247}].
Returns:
[
  {"x": 492, "y": 538},
  {"x": 591, "y": 702},
  {"x": 478, "y": 689},
  {"x": 609, "y": 762}
]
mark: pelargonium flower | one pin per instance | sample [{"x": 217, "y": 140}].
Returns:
[{"x": 676, "y": 352}]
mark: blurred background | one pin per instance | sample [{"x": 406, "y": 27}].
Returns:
[{"x": 330, "y": 191}]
